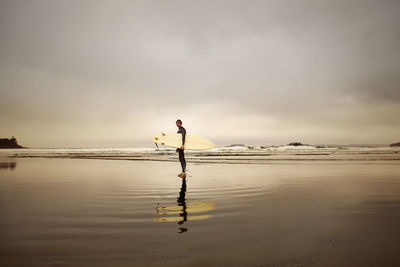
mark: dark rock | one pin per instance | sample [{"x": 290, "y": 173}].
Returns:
[
  {"x": 295, "y": 144},
  {"x": 9, "y": 143},
  {"x": 395, "y": 144},
  {"x": 236, "y": 145}
]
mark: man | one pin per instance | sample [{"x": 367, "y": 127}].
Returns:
[{"x": 182, "y": 131}]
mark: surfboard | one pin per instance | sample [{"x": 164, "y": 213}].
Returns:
[{"x": 192, "y": 142}]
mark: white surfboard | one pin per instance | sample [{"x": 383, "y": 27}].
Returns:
[{"x": 192, "y": 142}]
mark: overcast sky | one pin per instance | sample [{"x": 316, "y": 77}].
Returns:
[{"x": 115, "y": 73}]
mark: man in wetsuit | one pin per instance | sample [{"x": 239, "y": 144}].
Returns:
[{"x": 182, "y": 131}]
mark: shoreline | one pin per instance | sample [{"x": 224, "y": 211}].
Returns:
[
  {"x": 237, "y": 155},
  {"x": 222, "y": 160}
]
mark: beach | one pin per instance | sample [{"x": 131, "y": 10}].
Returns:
[
  {"x": 89, "y": 211},
  {"x": 281, "y": 117}
]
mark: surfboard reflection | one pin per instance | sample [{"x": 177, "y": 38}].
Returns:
[{"x": 184, "y": 210}]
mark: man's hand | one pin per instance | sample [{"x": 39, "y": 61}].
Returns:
[{"x": 182, "y": 147}]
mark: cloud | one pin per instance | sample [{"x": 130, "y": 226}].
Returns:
[{"x": 112, "y": 73}]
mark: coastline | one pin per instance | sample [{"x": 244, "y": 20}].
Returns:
[{"x": 223, "y": 155}]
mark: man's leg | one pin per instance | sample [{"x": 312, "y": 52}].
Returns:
[{"x": 182, "y": 159}]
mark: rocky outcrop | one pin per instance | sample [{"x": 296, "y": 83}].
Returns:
[
  {"x": 296, "y": 144},
  {"x": 236, "y": 145},
  {"x": 9, "y": 143}
]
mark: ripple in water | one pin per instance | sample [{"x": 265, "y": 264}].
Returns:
[{"x": 184, "y": 211}]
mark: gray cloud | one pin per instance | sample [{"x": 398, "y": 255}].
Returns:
[{"x": 93, "y": 73}]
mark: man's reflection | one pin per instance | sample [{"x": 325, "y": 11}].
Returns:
[
  {"x": 182, "y": 203},
  {"x": 184, "y": 211}
]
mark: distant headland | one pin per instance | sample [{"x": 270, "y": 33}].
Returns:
[{"x": 9, "y": 143}]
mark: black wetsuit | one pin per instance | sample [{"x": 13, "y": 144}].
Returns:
[{"x": 181, "y": 151}]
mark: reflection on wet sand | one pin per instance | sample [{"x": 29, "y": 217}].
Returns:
[
  {"x": 103, "y": 213},
  {"x": 8, "y": 165},
  {"x": 183, "y": 209}
]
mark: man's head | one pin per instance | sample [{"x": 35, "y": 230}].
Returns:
[{"x": 178, "y": 123}]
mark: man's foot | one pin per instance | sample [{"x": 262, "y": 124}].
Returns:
[{"x": 182, "y": 175}]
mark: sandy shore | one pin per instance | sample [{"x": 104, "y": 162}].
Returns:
[{"x": 87, "y": 212}]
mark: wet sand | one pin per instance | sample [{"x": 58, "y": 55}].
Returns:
[{"x": 92, "y": 212}]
